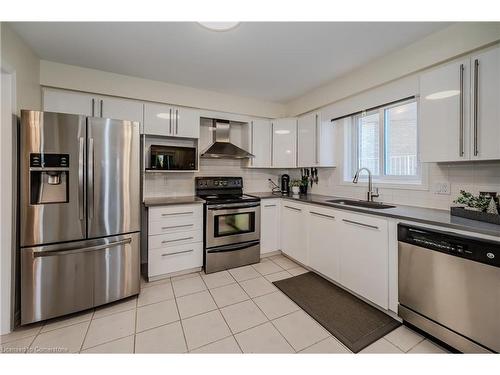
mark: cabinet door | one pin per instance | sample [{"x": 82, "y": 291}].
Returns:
[
  {"x": 485, "y": 105},
  {"x": 284, "y": 143},
  {"x": 307, "y": 139},
  {"x": 293, "y": 231},
  {"x": 269, "y": 225},
  {"x": 326, "y": 142},
  {"x": 158, "y": 119},
  {"x": 63, "y": 101},
  {"x": 364, "y": 257},
  {"x": 260, "y": 143},
  {"x": 323, "y": 242},
  {"x": 444, "y": 109},
  {"x": 186, "y": 123},
  {"x": 120, "y": 109}
]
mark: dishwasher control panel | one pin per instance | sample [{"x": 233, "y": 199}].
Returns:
[{"x": 476, "y": 249}]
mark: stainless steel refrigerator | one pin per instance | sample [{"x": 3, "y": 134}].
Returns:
[{"x": 79, "y": 213}]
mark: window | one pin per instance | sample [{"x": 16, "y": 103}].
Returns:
[{"x": 384, "y": 140}]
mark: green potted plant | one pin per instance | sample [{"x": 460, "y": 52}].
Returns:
[
  {"x": 295, "y": 185},
  {"x": 472, "y": 202}
]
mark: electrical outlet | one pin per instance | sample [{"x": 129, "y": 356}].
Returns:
[{"x": 441, "y": 188}]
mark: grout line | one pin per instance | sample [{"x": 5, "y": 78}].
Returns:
[
  {"x": 220, "y": 312},
  {"x": 180, "y": 319},
  {"x": 86, "y": 332},
  {"x": 135, "y": 324},
  {"x": 107, "y": 342}
]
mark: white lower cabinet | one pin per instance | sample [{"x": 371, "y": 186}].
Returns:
[
  {"x": 323, "y": 242},
  {"x": 294, "y": 231},
  {"x": 363, "y": 244},
  {"x": 175, "y": 240},
  {"x": 269, "y": 225}
]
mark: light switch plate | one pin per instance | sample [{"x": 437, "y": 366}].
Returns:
[{"x": 443, "y": 188}]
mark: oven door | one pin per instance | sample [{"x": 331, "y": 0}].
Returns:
[{"x": 232, "y": 223}]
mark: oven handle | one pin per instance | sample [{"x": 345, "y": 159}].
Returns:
[
  {"x": 226, "y": 248},
  {"x": 232, "y": 206}
]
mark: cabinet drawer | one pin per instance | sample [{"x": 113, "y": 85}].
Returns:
[
  {"x": 174, "y": 239},
  {"x": 175, "y": 258},
  {"x": 172, "y": 225},
  {"x": 176, "y": 212}
]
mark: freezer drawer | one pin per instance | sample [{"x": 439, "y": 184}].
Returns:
[{"x": 70, "y": 277}]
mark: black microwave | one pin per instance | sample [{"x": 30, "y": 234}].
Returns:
[{"x": 173, "y": 158}]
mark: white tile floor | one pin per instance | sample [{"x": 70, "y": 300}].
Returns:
[{"x": 227, "y": 312}]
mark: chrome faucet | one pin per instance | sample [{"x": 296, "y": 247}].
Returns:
[{"x": 371, "y": 194}]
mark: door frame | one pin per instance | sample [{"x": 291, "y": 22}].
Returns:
[{"x": 8, "y": 199}]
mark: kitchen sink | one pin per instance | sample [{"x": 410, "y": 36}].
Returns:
[{"x": 366, "y": 204}]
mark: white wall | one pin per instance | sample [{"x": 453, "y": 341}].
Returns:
[
  {"x": 97, "y": 81},
  {"x": 20, "y": 89},
  {"x": 448, "y": 43}
]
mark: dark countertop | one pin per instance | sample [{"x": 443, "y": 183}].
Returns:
[
  {"x": 417, "y": 214},
  {"x": 166, "y": 201}
]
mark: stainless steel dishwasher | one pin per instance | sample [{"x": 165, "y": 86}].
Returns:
[{"x": 449, "y": 286}]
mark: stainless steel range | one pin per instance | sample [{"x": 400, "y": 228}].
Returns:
[{"x": 232, "y": 223}]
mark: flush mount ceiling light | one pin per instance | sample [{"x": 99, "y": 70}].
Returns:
[
  {"x": 219, "y": 26},
  {"x": 442, "y": 94}
]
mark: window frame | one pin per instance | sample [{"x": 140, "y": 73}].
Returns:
[{"x": 418, "y": 181}]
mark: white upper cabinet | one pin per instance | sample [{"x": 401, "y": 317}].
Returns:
[
  {"x": 485, "y": 105},
  {"x": 118, "y": 108},
  {"x": 307, "y": 140},
  {"x": 444, "y": 113},
  {"x": 68, "y": 102},
  {"x": 315, "y": 141},
  {"x": 91, "y": 105},
  {"x": 260, "y": 143},
  {"x": 161, "y": 119},
  {"x": 284, "y": 143}
]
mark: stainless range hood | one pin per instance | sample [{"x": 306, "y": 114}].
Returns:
[{"x": 222, "y": 148}]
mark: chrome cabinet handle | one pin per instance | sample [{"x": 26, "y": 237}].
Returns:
[
  {"x": 93, "y": 106},
  {"x": 178, "y": 213},
  {"x": 177, "y": 239},
  {"x": 269, "y": 205},
  {"x": 317, "y": 141},
  {"x": 293, "y": 208},
  {"x": 322, "y": 215},
  {"x": 361, "y": 224},
  {"x": 81, "y": 141},
  {"x": 42, "y": 253},
  {"x": 177, "y": 252},
  {"x": 91, "y": 178},
  {"x": 461, "y": 151},
  {"x": 176, "y": 121},
  {"x": 101, "y": 106},
  {"x": 170, "y": 121},
  {"x": 178, "y": 226},
  {"x": 476, "y": 76}
]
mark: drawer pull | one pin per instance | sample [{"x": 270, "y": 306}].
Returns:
[
  {"x": 178, "y": 226},
  {"x": 178, "y": 213},
  {"x": 322, "y": 215},
  {"x": 178, "y": 252},
  {"x": 293, "y": 208},
  {"x": 269, "y": 205},
  {"x": 177, "y": 239},
  {"x": 361, "y": 224}
]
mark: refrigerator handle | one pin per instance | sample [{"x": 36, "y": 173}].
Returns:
[
  {"x": 83, "y": 249},
  {"x": 90, "y": 202},
  {"x": 80, "y": 178}
]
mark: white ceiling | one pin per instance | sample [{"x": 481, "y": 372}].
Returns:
[{"x": 269, "y": 61}]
